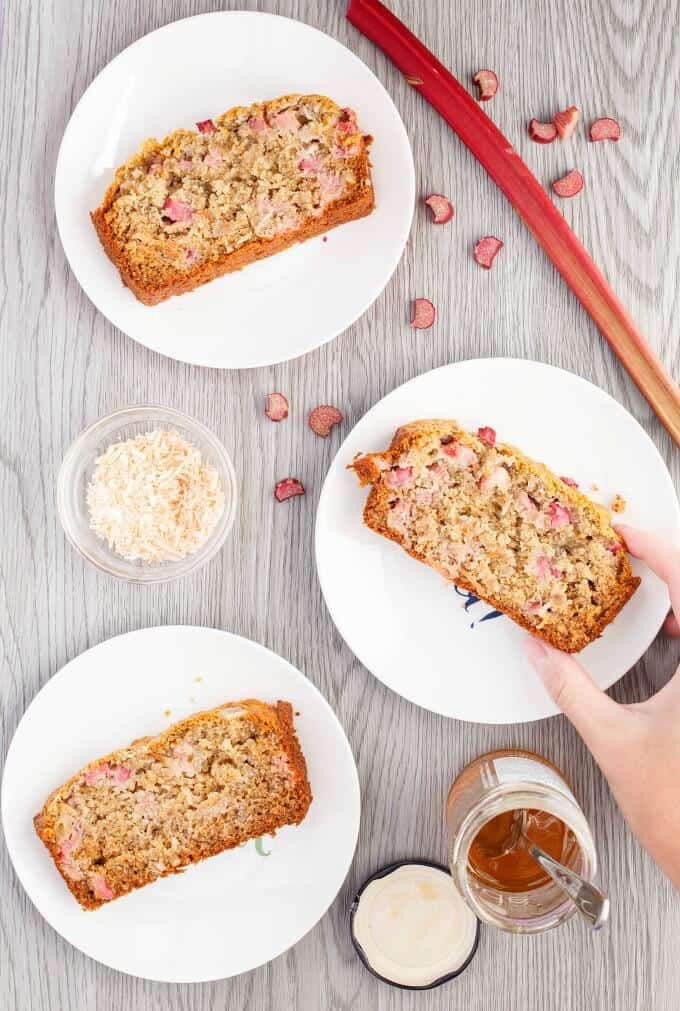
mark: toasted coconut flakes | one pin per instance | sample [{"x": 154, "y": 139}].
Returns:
[{"x": 154, "y": 497}]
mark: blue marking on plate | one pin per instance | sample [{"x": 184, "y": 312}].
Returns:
[{"x": 470, "y": 600}]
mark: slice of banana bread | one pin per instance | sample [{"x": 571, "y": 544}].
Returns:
[
  {"x": 205, "y": 785},
  {"x": 197, "y": 205},
  {"x": 500, "y": 526}
]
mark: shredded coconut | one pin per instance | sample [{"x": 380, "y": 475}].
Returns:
[{"x": 154, "y": 497}]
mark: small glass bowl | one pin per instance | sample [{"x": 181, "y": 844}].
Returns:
[{"x": 78, "y": 466}]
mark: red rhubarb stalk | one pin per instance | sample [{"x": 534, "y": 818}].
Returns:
[{"x": 532, "y": 203}]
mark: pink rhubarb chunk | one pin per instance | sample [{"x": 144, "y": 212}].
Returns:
[
  {"x": 464, "y": 456},
  {"x": 177, "y": 210},
  {"x": 569, "y": 185},
  {"x": 424, "y": 314},
  {"x": 497, "y": 480},
  {"x": 559, "y": 516},
  {"x": 487, "y": 83},
  {"x": 566, "y": 121},
  {"x": 206, "y": 126},
  {"x": 276, "y": 407},
  {"x": 486, "y": 250},
  {"x": 399, "y": 477},
  {"x": 487, "y": 436},
  {"x": 542, "y": 133},
  {"x": 288, "y": 488},
  {"x": 322, "y": 419},
  {"x": 605, "y": 129},
  {"x": 441, "y": 207},
  {"x": 100, "y": 887}
]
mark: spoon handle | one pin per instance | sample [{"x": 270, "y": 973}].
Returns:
[{"x": 589, "y": 900}]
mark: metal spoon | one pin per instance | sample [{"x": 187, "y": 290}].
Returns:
[{"x": 592, "y": 904}]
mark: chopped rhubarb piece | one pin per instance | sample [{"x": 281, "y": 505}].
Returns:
[
  {"x": 542, "y": 133},
  {"x": 276, "y": 407},
  {"x": 487, "y": 435},
  {"x": 463, "y": 455},
  {"x": 570, "y": 481},
  {"x": 565, "y": 122},
  {"x": 214, "y": 155},
  {"x": 559, "y": 516},
  {"x": 423, "y": 313},
  {"x": 441, "y": 207},
  {"x": 100, "y": 887},
  {"x": 185, "y": 164},
  {"x": 605, "y": 129},
  {"x": 322, "y": 419},
  {"x": 288, "y": 488},
  {"x": 310, "y": 164},
  {"x": 190, "y": 255},
  {"x": 569, "y": 185},
  {"x": 286, "y": 121},
  {"x": 120, "y": 774},
  {"x": 398, "y": 477},
  {"x": 486, "y": 250},
  {"x": 543, "y": 567},
  {"x": 206, "y": 126},
  {"x": 257, "y": 124},
  {"x": 97, "y": 774},
  {"x": 487, "y": 83},
  {"x": 497, "y": 480},
  {"x": 177, "y": 210},
  {"x": 155, "y": 165}
]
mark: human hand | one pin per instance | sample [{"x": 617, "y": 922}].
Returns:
[{"x": 636, "y": 746}]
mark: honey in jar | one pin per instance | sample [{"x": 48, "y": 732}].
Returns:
[{"x": 498, "y": 805}]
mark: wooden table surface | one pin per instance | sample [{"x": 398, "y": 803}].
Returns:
[{"x": 63, "y": 365}]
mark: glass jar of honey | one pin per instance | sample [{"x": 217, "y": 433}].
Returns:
[{"x": 498, "y": 805}]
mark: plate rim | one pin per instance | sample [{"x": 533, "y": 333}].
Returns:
[
  {"x": 482, "y": 362},
  {"x": 245, "y": 15},
  {"x": 302, "y": 678}
]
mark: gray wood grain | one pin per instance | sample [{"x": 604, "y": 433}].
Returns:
[{"x": 63, "y": 365}]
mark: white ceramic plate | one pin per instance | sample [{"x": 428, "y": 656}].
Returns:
[
  {"x": 404, "y": 622},
  {"x": 227, "y": 914},
  {"x": 188, "y": 71}
]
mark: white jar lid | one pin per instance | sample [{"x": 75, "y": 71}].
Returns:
[{"x": 411, "y": 927}]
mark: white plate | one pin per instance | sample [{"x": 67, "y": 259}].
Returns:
[
  {"x": 227, "y": 914},
  {"x": 404, "y": 622},
  {"x": 200, "y": 67}
]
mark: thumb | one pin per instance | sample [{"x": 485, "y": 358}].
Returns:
[{"x": 597, "y": 718}]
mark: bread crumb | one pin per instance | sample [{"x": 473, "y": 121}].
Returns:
[
  {"x": 619, "y": 504},
  {"x": 167, "y": 712},
  {"x": 198, "y": 680},
  {"x": 596, "y": 487}
]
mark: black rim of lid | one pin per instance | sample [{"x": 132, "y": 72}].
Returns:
[{"x": 382, "y": 873}]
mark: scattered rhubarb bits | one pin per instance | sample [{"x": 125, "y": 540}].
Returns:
[
  {"x": 566, "y": 121},
  {"x": 487, "y": 435},
  {"x": 605, "y": 129},
  {"x": 206, "y": 126},
  {"x": 486, "y": 250},
  {"x": 542, "y": 133},
  {"x": 569, "y": 185},
  {"x": 570, "y": 481},
  {"x": 487, "y": 83},
  {"x": 441, "y": 207},
  {"x": 276, "y": 407},
  {"x": 322, "y": 419},
  {"x": 288, "y": 488},
  {"x": 423, "y": 314}
]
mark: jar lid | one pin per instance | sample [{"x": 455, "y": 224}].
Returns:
[{"x": 410, "y": 926}]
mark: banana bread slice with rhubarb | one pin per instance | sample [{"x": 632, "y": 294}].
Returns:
[
  {"x": 204, "y": 785},
  {"x": 500, "y": 526},
  {"x": 258, "y": 179}
]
